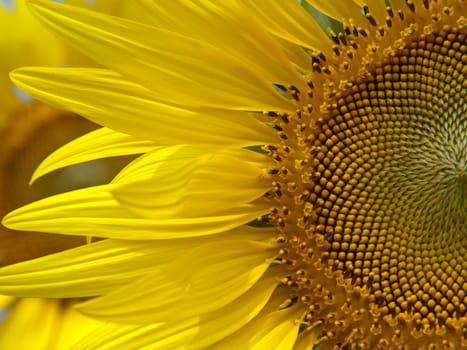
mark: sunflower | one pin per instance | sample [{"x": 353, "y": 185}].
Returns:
[{"x": 303, "y": 183}]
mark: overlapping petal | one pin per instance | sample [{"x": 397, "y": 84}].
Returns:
[
  {"x": 272, "y": 328},
  {"x": 132, "y": 109},
  {"x": 179, "y": 184},
  {"x": 100, "y": 267},
  {"x": 196, "y": 19},
  {"x": 72, "y": 273},
  {"x": 165, "y": 159},
  {"x": 289, "y": 21},
  {"x": 348, "y": 9},
  {"x": 159, "y": 60},
  {"x": 74, "y": 326},
  {"x": 204, "y": 280},
  {"x": 194, "y": 333},
  {"x": 95, "y": 212},
  {"x": 101, "y": 143}
]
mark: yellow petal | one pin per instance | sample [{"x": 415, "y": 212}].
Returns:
[
  {"x": 101, "y": 143},
  {"x": 298, "y": 56},
  {"x": 289, "y": 21},
  {"x": 72, "y": 273},
  {"x": 233, "y": 28},
  {"x": 182, "y": 184},
  {"x": 95, "y": 212},
  {"x": 341, "y": 11},
  {"x": 129, "y": 337},
  {"x": 109, "y": 99},
  {"x": 194, "y": 333},
  {"x": 73, "y": 327},
  {"x": 274, "y": 330},
  {"x": 202, "y": 281},
  {"x": 146, "y": 166},
  {"x": 159, "y": 59},
  {"x": 100, "y": 267}
]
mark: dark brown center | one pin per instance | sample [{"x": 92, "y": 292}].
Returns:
[{"x": 371, "y": 196}]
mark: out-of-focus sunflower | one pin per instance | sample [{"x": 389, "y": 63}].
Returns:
[
  {"x": 21, "y": 43},
  {"x": 42, "y": 324},
  {"x": 300, "y": 188},
  {"x": 28, "y": 132}
]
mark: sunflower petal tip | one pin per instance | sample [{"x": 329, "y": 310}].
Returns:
[
  {"x": 42, "y": 169},
  {"x": 19, "y": 77},
  {"x": 7, "y": 220},
  {"x": 36, "y": 175},
  {"x": 15, "y": 74}
]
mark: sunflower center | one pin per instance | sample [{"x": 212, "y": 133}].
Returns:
[
  {"x": 391, "y": 200},
  {"x": 373, "y": 198}
]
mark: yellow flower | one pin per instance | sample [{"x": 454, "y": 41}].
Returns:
[{"x": 348, "y": 230}]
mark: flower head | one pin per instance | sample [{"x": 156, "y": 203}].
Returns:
[{"x": 348, "y": 228}]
